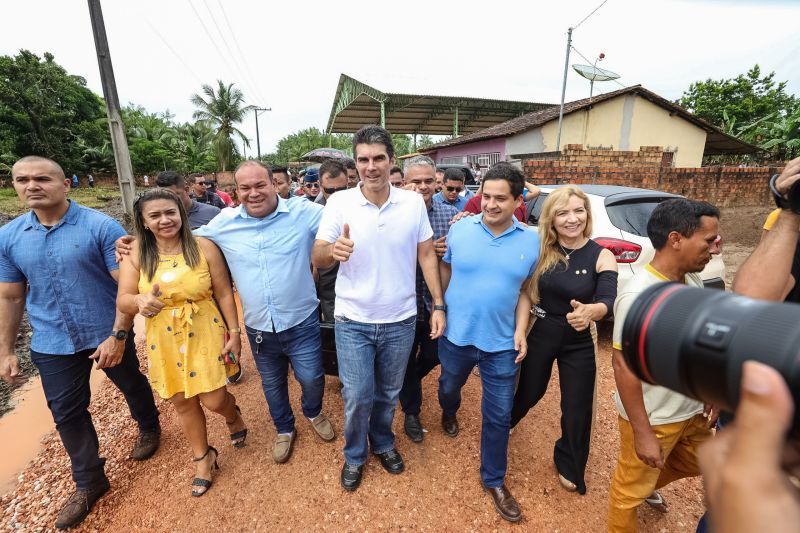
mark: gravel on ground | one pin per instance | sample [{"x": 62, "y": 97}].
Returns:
[{"x": 439, "y": 491}]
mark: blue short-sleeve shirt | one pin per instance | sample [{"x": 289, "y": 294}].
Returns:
[
  {"x": 487, "y": 274},
  {"x": 71, "y": 301},
  {"x": 270, "y": 260}
]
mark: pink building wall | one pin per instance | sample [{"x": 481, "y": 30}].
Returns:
[{"x": 479, "y": 147}]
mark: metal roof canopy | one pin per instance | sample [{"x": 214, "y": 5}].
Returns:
[{"x": 357, "y": 104}]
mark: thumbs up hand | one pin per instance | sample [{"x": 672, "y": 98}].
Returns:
[
  {"x": 149, "y": 304},
  {"x": 343, "y": 247},
  {"x": 580, "y": 317}
]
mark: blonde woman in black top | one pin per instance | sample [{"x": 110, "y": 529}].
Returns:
[{"x": 575, "y": 283}]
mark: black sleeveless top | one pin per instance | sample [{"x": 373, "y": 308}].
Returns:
[{"x": 578, "y": 280}]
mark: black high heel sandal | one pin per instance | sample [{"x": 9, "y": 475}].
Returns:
[
  {"x": 200, "y": 482},
  {"x": 235, "y": 442}
]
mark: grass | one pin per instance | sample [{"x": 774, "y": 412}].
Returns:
[{"x": 94, "y": 198}]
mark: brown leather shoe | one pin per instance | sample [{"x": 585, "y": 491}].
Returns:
[
  {"x": 78, "y": 506},
  {"x": 505, "y": 503},
  {"x": 323, "y": 427},
  {"x": 146, "y": 444},
  {"x": 283, "y": 446},
  {"x": 450, "y": 425}
]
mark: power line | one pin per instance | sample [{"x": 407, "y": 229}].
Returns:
[
  {"x": 235, "y": 61},
  {"x": 208, "y": 33},
  {"x": 239, "y": 48},
  {"x": 589, "y": 61},
  {"x": 589, "y": 15},
  {"x": 176, "y": 54}
]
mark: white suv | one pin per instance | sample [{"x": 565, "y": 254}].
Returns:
[{"x": 619, "y": 216}]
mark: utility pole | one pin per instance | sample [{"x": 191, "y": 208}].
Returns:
[
  {"x": 118, "y": 140},
  {"x": 258, "y": 137},
  {"x": 563, "y": 90}
]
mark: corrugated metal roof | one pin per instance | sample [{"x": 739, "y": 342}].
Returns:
[{"x": 356, "y": 104}]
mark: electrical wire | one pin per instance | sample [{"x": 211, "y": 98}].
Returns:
[
  {"x": 589, "y": 15},
  {"x": 176, "y": 54},
  {"x": 239, "y": 48},
  {"x": 590, "y": 62},
  {"x": 208, "y": 33},
  {"x": 236, "y": 65}
]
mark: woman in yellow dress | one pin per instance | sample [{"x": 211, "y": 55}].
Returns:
[{"x": 172, "y": 279}]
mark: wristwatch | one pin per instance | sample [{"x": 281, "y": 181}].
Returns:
[
  {"x": 440, "y": 308},
  {"x": 119, "y": 334}
]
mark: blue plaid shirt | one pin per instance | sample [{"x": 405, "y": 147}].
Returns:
[{"x": 439, "y": 215}]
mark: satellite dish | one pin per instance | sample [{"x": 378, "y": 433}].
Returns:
[{"x": 595, "y": 74}]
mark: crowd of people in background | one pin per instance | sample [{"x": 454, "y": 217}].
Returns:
[{"x": 413, "y": 271}]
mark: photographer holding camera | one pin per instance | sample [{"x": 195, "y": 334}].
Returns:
[
  {"x": 744, "y": 467},
  {"x": 660, "y": 430},
  {"x": 772, "y": 270}
]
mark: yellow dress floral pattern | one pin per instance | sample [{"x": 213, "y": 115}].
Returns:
[{"x": 185, "y": 339}]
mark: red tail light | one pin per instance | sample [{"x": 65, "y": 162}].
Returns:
[{"x": 624, "y": 251}]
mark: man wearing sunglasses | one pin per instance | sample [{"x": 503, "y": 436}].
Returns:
[
  {"x": 200, "y": 191},
  {"x": 311, "y": 184},
  {"x": 452, "y": 189},
  {"x": 333, "y": 177}
]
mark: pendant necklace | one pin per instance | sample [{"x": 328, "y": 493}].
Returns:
[{"x": 564, "y": 251}]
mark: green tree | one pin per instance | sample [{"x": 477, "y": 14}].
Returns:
[
  {"x": 738, "y": 101},
  {"x": 46, "y": 111},
  {"x": 222, "y": 110}
]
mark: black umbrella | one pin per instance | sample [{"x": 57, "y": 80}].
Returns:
[{"x": 319, "y": 155}]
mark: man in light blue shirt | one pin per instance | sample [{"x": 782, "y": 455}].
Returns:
[
  {"x": 452, "y": 188},
  {"x": 263, "y": 239},
  {"x": 489, "y": 258}
]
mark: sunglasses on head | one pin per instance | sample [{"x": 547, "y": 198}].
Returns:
[
  {"x": 331, "y": 190},
  {"x": 452, "y": 189}
]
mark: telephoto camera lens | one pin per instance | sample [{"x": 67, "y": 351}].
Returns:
[{"x": 694, "y": 341}]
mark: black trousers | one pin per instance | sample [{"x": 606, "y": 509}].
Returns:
[
  {"x": 553, "y": 339},
  {"x": 65, "y": 380},
  {"x": 423, "y": 358}
]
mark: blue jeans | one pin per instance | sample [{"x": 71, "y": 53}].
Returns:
[
  {"x": 299, "y": 345},
  {"x": 372, "y": 364},
  {"x": 498, "y": 379},
  {"x": 65, "y": 381}
]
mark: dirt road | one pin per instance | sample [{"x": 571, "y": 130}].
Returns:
[{"x": 440, "y": 490}]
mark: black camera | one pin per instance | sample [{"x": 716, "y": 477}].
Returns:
[
  {"x": 792, "y": 199},
  {"x": 694, "y": 341}
]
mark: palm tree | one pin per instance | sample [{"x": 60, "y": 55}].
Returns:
[{"x": 222, "y": 110}]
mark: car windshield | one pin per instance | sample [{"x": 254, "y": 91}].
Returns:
[{"x": 632, "y": 217}]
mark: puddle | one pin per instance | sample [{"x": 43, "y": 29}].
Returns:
[{"x": 22, "y": 429}]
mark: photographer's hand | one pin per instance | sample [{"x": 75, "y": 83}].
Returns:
[
  {"x": 746, "y": 488},
  {"x": 790, "y": 174}
]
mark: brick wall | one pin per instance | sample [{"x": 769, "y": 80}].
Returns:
[{"x": 649, "y": 168}]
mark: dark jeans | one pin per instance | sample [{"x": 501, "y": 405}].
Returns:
[
  {"x": 419, "y": 365},
  {"x": 552, "y": 339},
  {"x": 498, "y": 376},
  {"x": 65, "y": 380},
  {"x": 299, "y": 345}
]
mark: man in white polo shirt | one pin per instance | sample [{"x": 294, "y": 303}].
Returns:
[
  {"x": 660, "y": 430},
  {"x": 378, "y": 234}
]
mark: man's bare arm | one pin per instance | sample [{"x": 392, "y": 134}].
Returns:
[
  {"x": 12, "y": 305},
  {"x": 766, "y": 274}
]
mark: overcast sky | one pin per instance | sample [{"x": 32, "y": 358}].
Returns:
[{"x": 289, "y": 55}]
